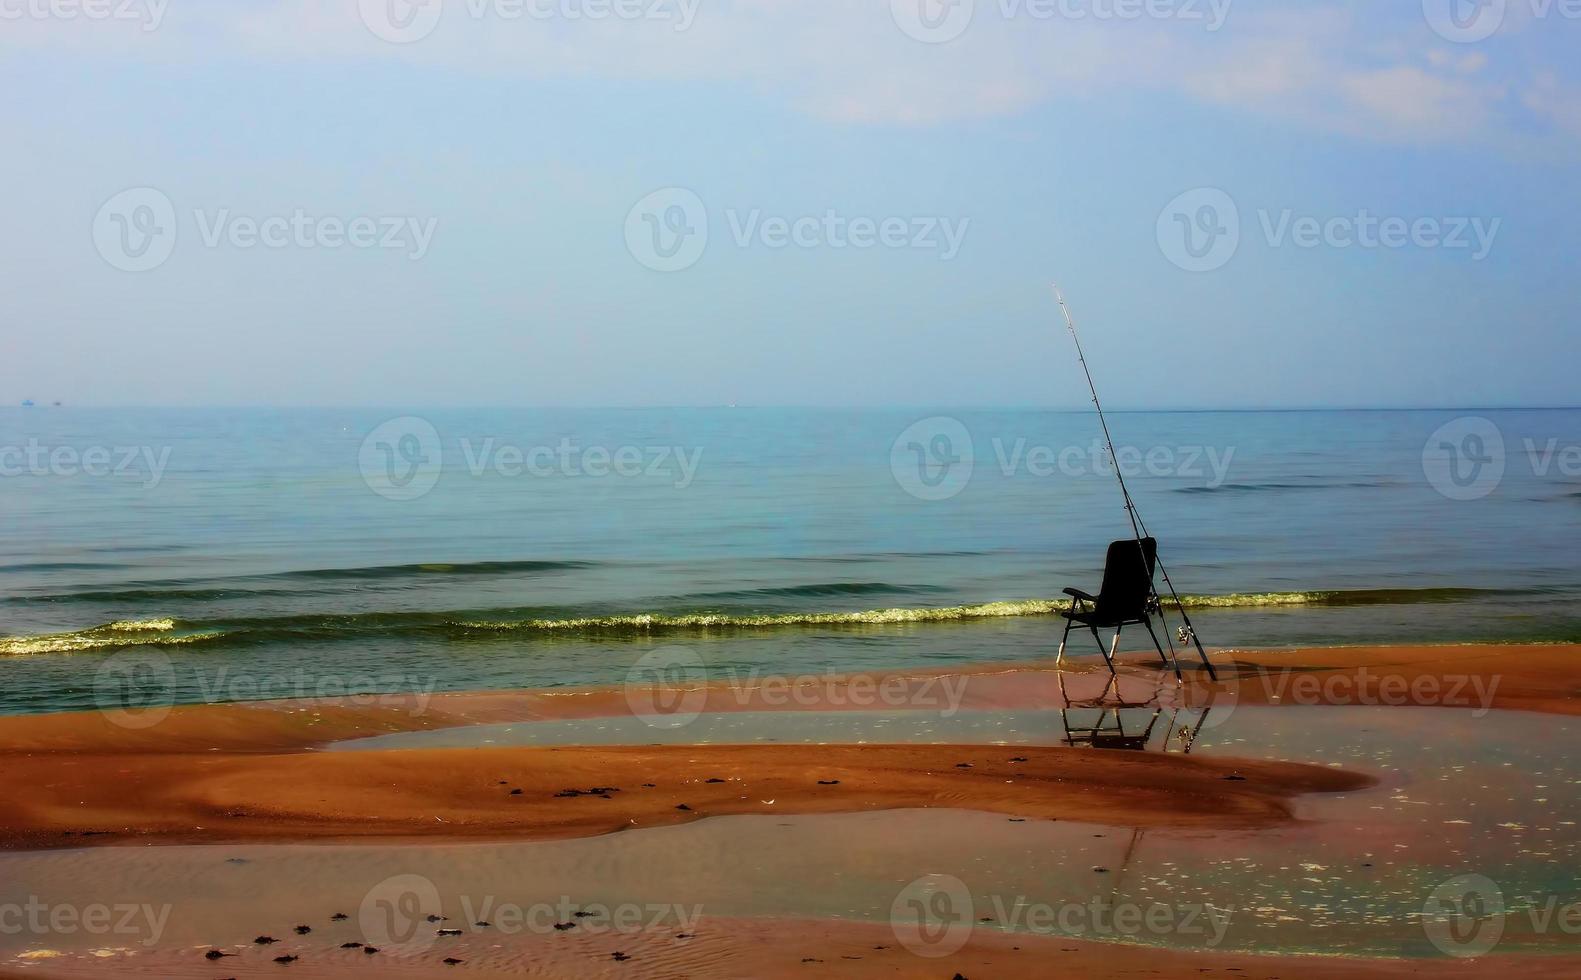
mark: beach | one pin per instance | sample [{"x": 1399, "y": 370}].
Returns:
[
  {"x": 654, "y": 489},
  {"x": 791, "y": 719},
  {"x": 1302, "y": 754}
]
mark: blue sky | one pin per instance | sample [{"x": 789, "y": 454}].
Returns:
[{"x": 498, "y": 160}]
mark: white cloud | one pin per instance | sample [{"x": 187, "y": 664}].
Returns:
[{"x": 1379, "y": 73}]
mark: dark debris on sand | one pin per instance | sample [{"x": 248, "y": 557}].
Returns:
[{"x": 599, "y": 791}]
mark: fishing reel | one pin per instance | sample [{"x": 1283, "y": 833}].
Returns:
[{"x": 1187, "y": 635}]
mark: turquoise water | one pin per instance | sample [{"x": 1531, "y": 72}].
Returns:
[{"x": 233, "y": 554}]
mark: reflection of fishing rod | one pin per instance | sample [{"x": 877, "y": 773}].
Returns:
[{"x": 1188, "y": 633}]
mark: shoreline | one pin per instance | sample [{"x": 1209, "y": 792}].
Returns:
[{"x": 1537, "y": 677}]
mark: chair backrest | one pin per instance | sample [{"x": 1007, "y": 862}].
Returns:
[{"x": 1127, "y": 579}]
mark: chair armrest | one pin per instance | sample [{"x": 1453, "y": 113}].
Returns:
[{"x": 1079, "y": 594}]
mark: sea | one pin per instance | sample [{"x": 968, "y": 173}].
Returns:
[{"x": 187, "y": 555}]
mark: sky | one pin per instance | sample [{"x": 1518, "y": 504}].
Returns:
[{"x": 790, "y": 202}]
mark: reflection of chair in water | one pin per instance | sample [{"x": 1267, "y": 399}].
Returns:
[
  {"x": 1112, "y": 730},
  {"x": 1109, "y": 730}
]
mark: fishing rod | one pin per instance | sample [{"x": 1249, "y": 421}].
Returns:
[{"x": 1188, "y": 632}]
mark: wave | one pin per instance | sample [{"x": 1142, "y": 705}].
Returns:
[
  {"x": 1277, "y": 487},
  {"x": 1351, "y": 597},
  {"x": 61, "y": 566},
  {"x": 461, "y": 626},
  {"x": 816, "y": 590},
  {"x": 432, "y": 568},
  {"x": 202, "y": 590},
  {"x": 110, "y": 636}
]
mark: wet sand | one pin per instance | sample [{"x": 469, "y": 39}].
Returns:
[
  {"x": 251, "y": 771},
  {"x": 256, "y": 773},
  {"x": 726, "y": 949},
  {"x": 529, "y": 793}
]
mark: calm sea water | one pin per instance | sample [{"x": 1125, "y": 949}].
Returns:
[{"x": 234, "y": 554}]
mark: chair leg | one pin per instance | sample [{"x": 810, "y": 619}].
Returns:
[
  {"x": 1107, "y": 657},
  {"x": 1059, "y": 658},
  {"x": 1161, "y": 656}
]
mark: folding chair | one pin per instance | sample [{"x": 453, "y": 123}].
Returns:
[{"x": 1126, "y": 599}]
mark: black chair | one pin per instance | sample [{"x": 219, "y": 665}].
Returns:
[{"x": 1126, "y": 599}]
